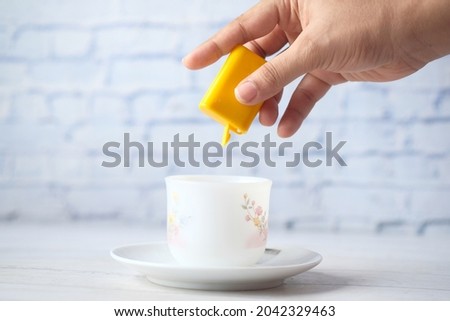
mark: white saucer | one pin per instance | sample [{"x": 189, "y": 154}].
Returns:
[{"x": 155, "y": 262}]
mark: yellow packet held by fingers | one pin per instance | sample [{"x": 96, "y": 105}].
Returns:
[{"x": 220, "y": 103}]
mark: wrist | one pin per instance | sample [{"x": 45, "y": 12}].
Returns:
[{"x": 426, "y": 29}]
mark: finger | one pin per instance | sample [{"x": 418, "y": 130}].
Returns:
[
  {"x": 312, "y": 88},
  {"x": 301, "y": 57},
  {"x": 268, "y": 44},
  {"x": 255, "y": 23},
  {"x": 268, "y": 113},
  {"x": 329, "y": 77},
  {"x": 305, "y": 96}
]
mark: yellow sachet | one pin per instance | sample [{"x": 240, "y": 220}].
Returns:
[{"x": 220, "y": 103}]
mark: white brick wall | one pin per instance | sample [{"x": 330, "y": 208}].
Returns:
[
  {"x": 77, "y": 74},
  {"x": 137, "y": 39},
  {"x": 12, "y": 73},
  {"x": 149, "y": 72}
]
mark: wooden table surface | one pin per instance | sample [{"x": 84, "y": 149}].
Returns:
[{"x": 72, "y": 262}]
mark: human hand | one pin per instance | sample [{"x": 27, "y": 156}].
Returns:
[{"x": 330, "y": 42}]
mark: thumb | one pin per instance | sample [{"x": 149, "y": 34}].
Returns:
[{"x": 301, "y": 57}]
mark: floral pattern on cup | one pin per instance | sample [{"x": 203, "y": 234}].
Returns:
[
  {"x": 256, "y": 215},
  {"x": 176, "y": 222},
  {"x": 173, "y": 221}
]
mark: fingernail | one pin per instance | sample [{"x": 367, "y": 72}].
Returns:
[{"x": 246, "y": 92}]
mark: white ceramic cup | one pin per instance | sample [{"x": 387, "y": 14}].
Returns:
[{"x": 217, "y": 220}]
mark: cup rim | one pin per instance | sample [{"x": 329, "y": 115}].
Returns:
[{"x": 217, "y": 179}]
